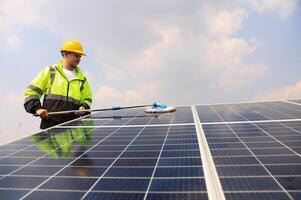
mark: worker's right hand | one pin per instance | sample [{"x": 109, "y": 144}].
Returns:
[{"x": 43, "y": 113}]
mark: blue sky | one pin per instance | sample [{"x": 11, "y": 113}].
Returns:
[{"x": 141, "y": 51}]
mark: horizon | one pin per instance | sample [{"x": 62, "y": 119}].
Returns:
[{"x": 174, "y": 52}]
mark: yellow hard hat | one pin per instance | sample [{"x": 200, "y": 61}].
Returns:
[{"x": 73, "y": 46}]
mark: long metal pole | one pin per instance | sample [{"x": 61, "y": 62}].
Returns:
[{"x": 94, "y": 110}]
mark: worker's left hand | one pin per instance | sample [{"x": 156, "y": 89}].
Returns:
[{"x": 81, "y": 112}]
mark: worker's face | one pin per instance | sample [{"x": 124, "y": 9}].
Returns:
[{"x": 73, "y": 59}]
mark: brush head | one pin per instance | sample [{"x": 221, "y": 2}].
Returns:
[{"x": 160, "y": 108}]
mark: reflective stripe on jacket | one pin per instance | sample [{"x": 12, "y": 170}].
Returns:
[{"x": 59, "y": 94}]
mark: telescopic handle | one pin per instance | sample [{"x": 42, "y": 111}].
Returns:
[{"x": 94, "y": 110}]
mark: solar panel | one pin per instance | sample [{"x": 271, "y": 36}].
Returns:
[
  {"x": 257, "y": 155},
  {"x": 220, "y": 151}
]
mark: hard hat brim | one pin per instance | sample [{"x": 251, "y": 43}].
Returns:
[{"x": 79, "y": 52}]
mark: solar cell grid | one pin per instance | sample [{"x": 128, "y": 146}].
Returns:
[
  {"x": 248, "y": 111},
  {"x": 128, "y": 154},
  {"x": 272, "y": 110},
  {"x": 261, "y": 150},
  {"x": 226, "y": 114},
  {"x": 207, "y": 114}
]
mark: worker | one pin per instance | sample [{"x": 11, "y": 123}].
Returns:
[{"x": 63, "y": 86}]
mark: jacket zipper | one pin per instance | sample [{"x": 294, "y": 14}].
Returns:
[
  {"x": 66, "y": 99},
  {"x": 67, "y": 91},
  {"x": 67, "y": 85}
]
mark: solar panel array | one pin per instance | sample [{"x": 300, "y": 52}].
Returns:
[{"x": 127, "y": 154}]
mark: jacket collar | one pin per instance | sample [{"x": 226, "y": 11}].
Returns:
[{"x": 79, "y": 73}]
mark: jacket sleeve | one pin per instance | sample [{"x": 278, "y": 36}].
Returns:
[
  {"x": 35, "y": 90},
  {"x": 86, "y": 95}
]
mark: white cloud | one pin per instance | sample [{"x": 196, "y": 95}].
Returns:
[
  {"x": 151, "y": 60},
  {"x": 175, "y": 60},
  {"x": 19, "y": 12},
  {"x": 106, "y": 92},
  {"x": 181, "y": 59},
  {"x": 115, "y": 74},
  {"x": 90, "y": 76},
  {"x": 284, "y": 8},
  {"x": 3, "y": 23},
  {"x": 15, "y": 14},
  {"x": 13, "y": 41},
  {"x": 225, "y": 59},
  {"x": 109, "y": 96},
  {"x": 13, "y": 97},
  {"x": 180, "y": 51},
  {"x": 281, "y": 93},
  {"x": 225, "y": 23}
]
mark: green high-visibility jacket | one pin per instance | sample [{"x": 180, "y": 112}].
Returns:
[
  {"x": 59, "y": 94},
  {"x": 64, "y": 144}
]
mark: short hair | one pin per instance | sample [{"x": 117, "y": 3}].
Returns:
[{"x": 63, "y": 53}]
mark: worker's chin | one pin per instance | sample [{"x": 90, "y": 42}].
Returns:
[{"x": 74, "y": 65}]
